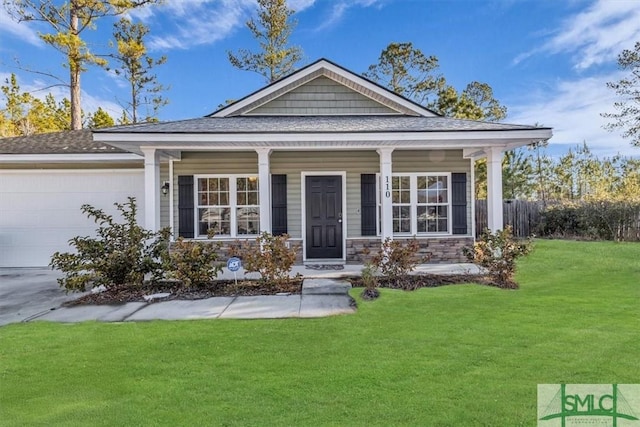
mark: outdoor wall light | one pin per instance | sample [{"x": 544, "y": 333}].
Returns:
[{"x": 165, "y": 188}]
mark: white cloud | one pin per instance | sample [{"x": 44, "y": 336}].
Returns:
[
  {"x": 573, "y": 108},
  {"x": 199, "y": 22},
  {"x": 186, "y": 23},
  {"x": 340, "y": 8},
  {"x": 300, "y": 5},
  {"x": 596, "y": 35},
  {"x": 21, "y": 30}
]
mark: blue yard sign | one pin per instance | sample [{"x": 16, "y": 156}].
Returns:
[{"x": 234, "y": 264}]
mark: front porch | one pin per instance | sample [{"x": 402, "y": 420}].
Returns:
[{"x": 336, "y": 205}]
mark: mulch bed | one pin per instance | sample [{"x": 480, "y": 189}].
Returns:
[
  {"x": 413, "y": 282},
  {"x": 218, "y": 288}
]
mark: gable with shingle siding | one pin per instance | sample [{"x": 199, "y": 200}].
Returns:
[{"x": 322, "y": 96}]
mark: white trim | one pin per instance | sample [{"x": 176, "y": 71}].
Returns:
[
  {"x": 378, "y": 205},
  {"x": 472, "y": 178},
  {"x": 171, "y": 189},
  {"x": 463, "y": 138},
  {"x": 54, "y": 171},
  {"x": 494, "y": 189},
  {"x": 321, "y": 66},
  {"x": 303, "y": 206},
  {"x": 233, "y": 197},
  {"x": 386, "y": 206},
  {"x": 151, "y": 189},
  {"x": 68, "y": 158},
  {"x": 264, "y": 187},
  {"x": 413, "y": 204}
]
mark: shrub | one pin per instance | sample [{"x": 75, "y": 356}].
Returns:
[
  {"x": 271, "y": 256},
  {"x": 193, "y": 263},
  {"x": 370, "y": 281},
  {"x": 120, "y": 253},
  {"x": 497, "y": 252},
  {"x": 595, "y": 219},
  {"x": 396, "y": 259}
]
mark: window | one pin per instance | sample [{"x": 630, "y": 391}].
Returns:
[
  {"x": 228, "y": 205},
  {"x": 401, "y": 200},
  {"x": 421, "y": 203}
]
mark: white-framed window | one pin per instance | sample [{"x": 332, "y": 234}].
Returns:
[
  {"x": 421, "y": 203},
  {"x": 227, "y": 204}
]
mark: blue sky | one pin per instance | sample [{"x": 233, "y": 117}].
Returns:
[{"x": 548, "y": 61}]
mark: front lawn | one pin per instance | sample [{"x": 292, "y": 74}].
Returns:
[{"x": 459, "y": 355}]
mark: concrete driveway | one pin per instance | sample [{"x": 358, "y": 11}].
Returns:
[{"x": 26, "y": 292}]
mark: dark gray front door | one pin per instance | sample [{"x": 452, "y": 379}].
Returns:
[{"x": 324, "y": 216}]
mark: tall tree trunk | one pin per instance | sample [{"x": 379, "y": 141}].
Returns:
[
  {"x": 76, "y": 110},
  {"x": 134, "y": 103},
  {"x": 74, "y": 70}
]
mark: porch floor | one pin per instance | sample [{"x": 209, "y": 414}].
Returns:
[{"x": 355, "y": 269}]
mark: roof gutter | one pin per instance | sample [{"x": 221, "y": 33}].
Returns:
[{"x": 68, "y": 158}]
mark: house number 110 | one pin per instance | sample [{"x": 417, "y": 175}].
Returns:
[{"x": 387, "y": 192}]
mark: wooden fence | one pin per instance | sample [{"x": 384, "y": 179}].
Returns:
[
  {"x": 523, "y": 216},
  {"x": 602, "y": 220}
]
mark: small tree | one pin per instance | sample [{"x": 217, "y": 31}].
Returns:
[
  {"x": 272, "y": 30},
  {"x": 122, "y": 253},
  {"x": 497, "y": 252},
  {"x": 136, "y": 66},
  {"x": 628, "y": 88},
  {"x": 193, "y": 263},
  {"x": 100, "y": 119},
  {"x": 396, "y": 259},
  {"x": 271, "y": 256}
]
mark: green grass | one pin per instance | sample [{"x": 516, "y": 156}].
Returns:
[{"x": 459, "y": 355}]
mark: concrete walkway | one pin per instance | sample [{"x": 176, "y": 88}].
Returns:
[
  {"x": 319, "y": 298},
  {"x": 29, "y": 294}
]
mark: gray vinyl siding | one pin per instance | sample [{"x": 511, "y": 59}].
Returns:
[
  {"x": 353, "y": 163},
  {"x": 204, "y": 163},
  {"x": 435, "y": 161},
  {"x": 293, "y": 163},
  {"x": 164, "y": 200},
  {"x": 322, "y": 96}
]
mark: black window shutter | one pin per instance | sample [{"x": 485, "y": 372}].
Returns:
[
  {"x": 185, "y": 206},
  {"x": 459, "y": 202},
  {"x": 278, "y": 204},
  {"x": 368, "y": 205}
]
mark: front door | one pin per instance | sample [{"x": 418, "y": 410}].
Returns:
[{"x": 324, "y": 216}]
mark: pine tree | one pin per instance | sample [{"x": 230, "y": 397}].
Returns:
[{"x": 276, "y": 58}]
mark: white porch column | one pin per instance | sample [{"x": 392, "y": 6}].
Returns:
[
  {"x": 151, "y": 189},
  {"x": 385, "y": 192},
  {"x": 264, "y": 179},
  {"x": 494, "y": 188}
]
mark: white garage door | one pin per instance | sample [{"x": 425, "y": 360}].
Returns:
[{"x": 40, "y": 209}]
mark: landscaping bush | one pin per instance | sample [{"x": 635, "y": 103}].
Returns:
[
  {"x": 271, "y": 256},
  {"x": 397, "y": 258},
  {"x": 121, "y": 253},
  {"x": 594, "y": 220},
  {"x": 369, "y": 281},
  {"x": 497, "y": 252},
  {"x": 193, "y": 263}
]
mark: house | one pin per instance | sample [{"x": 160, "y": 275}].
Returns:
[{"x": 325, "y": 155}]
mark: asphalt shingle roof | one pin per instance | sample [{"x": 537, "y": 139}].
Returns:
[
  {"x": 314, "y": 124},
  {"x": 68, "y": 142}
]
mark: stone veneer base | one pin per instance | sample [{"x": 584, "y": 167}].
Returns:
[{"x": 442, "y": 250}]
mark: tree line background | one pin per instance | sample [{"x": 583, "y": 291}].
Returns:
[{"x": 576, "y": 194}]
